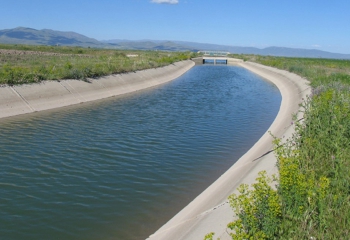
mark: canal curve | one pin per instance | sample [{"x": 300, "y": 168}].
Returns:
[{"x": 120, "y": 168}]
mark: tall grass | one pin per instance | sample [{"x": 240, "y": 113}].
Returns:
[
  {"x": 314, "y": 183},
  {"x": 26, "y": 64},
  {"x": 313, "y": 187}
]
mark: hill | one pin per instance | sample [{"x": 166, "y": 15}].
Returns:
[
  {"x": 150, "y": 45},
  {"x": 30, "y": 36},
  {"x": 269, "y": 51}
]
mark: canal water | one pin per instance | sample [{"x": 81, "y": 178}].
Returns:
[{"x": 122, "y": 167}]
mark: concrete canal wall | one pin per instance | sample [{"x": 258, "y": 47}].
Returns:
[{"x": 29, "y": 98}]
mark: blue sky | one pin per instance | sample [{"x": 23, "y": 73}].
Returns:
[{"x": 318, "y": 24}]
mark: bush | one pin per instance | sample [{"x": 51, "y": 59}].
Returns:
[{"x": 258, "y": 210}]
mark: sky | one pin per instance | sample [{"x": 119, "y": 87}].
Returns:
[{"x": 309, "y": 24}]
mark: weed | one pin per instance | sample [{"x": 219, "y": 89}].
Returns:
[{"x": 258, "y": 209}]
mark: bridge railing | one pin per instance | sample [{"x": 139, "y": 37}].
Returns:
[{"x": 214, "y": 53}]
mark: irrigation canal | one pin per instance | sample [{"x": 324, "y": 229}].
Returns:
[{"x": 122, "y": 167}]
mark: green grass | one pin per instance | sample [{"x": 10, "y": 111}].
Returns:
[
  {"x": 31, "y": 64},
  {"x": 313, "y": 186},
  {"x": 318, "y": 71},
  {"x": 314, "y": 183}
]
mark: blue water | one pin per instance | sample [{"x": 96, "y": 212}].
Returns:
[{"x": 122, "y": 167}]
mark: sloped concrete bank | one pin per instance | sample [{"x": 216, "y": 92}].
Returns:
[
  {"x": 29, "y": 98},
  {"x": 210, "y": 211}
]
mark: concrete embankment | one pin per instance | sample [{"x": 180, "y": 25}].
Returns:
[
  {"x": 210, "y": 211},
  {"x": 29, "y": 98}
]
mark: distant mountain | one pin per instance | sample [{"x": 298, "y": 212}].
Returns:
[
  {"x": 296, "y": 52},
  {"x": 22, "y": 35},
  {"x": 269, "y": 51},
  {"x": 32, "y": 36},
  {"x": 150, "y": 45}
]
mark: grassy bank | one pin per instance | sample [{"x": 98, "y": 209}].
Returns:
[
  {"x": 317, "y": 70},
  {"x": 27, "y": 64},
  {"x": 312, "y": 199}
]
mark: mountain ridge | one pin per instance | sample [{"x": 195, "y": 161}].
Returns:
[{"x": 31, "y": 36}]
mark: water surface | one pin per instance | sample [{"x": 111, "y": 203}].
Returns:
[{"x": 120, "y": 168}]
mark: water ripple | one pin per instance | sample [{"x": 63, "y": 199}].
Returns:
[{"x": 118, "y": 169}]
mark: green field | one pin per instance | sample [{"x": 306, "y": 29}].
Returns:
[
  {"x": 317, "y": 70},
  {"x": 28, "y": 64}
]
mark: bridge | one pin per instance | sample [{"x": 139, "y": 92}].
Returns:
[
  {"x": 210, "y": 60},
  {"x": 214, "y": 53},
  {"x": 212, "y": 57}
]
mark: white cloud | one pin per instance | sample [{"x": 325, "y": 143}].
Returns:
[
  {"x": 316, "y": 46},
  {"x": 166, "y": 1}
]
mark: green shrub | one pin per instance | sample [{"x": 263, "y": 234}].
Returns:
[
  {"x": 258, "y": 210},
  {"x": 313, "y": 191}
]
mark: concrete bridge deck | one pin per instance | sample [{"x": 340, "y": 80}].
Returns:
[{"x": 202, "y": 60}]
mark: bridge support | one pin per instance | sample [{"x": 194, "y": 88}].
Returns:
[
  {"x": 214, "y": 61},
  {"x": 210, "y": 60}
]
